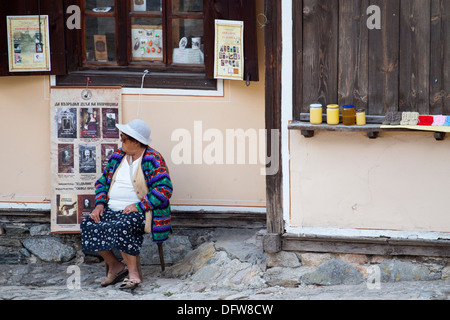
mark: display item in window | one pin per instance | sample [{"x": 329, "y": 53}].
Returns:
[
  {"x": 147, "y": 43},
  {"x": 196, "y": 42},
  {"x": 102, "y": 9},
  {"x": 101, "y": 51},
  {"x": 183, "y": 43},
  {"x": 188, "y": 51},
  {"x": 140, "y": 5}
]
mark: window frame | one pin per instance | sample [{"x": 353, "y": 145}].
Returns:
[
  {"x": 126, "y": 72},
  {"x": 66, "y": 59}
]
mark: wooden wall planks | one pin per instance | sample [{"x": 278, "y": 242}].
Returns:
[
  {"x": 320, "y": 54},
  {"x": 404, "y": 66}
]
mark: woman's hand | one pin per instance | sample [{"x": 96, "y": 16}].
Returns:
[
  {"x": 97, "y": 213},
  {"x": 129, "y": 209}
]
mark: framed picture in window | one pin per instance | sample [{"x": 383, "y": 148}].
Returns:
[
  {"x": 28, "y": 43},
  {"x": 147, "y": 43},
  {"x": 101, "y": 49}
]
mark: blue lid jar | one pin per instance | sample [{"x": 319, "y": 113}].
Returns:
[{"x": 348, "y": 115}]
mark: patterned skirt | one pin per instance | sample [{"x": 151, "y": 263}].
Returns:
[{"x": 124, "y": 232}]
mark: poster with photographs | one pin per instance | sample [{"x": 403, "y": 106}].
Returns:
[
  {"x": 87, "y": 159},
  {"x": 89, "y": 123},
  {"x": 107, "y": 151},
  {"x": 229, "y": 50},
  {"x": 66, "y": 122},
  {"x": 28, "y": 43},
  {"x": 86, "y": 203},
  {"x": 66, "y": 158},
  {"x": 66, "y": 209},
  {"x": 83, "y": 137},
  {"x": 110, "y": 118}
]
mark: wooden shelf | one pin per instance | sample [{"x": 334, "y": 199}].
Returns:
[
  {"x": 372, "y": 128},
  {"x": 308, "y": 129}
]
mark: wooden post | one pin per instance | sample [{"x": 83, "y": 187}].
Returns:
[
  {"x": 273, "y": 112},
  {"x": 161, "y": 256}
]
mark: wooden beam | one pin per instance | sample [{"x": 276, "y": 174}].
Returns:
[
  {"x": 245, "y": 220},
  {"x": 364, "y": 245},
  {"x": 273, "y": 45},
  {"x": 24, "y": 216}
]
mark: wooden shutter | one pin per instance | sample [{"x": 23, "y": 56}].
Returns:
[
  {"x": 55, "y": 11},
  {"x": 242, "y": 10}
]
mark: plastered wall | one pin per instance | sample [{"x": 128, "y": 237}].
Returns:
[{"x": 399, "y": 181}]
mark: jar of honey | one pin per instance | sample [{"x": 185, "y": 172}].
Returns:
[
  {"x": 315, "y": 114},
  {"x": 348, "y": 115},
  {"x": 333, "y": 114},
  {"x": 360, "y": 117}
]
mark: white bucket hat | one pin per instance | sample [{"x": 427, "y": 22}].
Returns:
[{"x": 138, "y": 130}]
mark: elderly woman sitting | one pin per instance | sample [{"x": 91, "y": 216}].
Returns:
[{"x": 135, "y": 184}]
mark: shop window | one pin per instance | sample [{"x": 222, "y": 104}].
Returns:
[
  {"x": 120, "y": 39},
  {"x": 159, "y": 33}
]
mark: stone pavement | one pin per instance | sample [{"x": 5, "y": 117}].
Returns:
[
  {"x": 56, "y": 282},
  {"x": 231, "y": 265}
]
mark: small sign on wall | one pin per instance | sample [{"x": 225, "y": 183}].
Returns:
[
  {"x": 229, "y": 50},
  {"x": 28, "y": 43}
]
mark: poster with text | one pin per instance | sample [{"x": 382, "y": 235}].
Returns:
[
  {"x": 229, "y": 50},
  {"x": 83, "y": 137},
  {"x": 28, "y": 43}
]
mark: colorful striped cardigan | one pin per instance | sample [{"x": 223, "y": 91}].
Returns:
[{"x": 158, "y": 182}]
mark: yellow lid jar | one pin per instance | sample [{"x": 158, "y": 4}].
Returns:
[
  {"x": 333, "y": 114},
  {"x": 315, "y": 113},
  {"x": 360, "y": 117}
]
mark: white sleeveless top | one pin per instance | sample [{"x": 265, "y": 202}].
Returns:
[{"x": 122, "y": 192}]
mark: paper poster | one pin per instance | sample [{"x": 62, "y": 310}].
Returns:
[
  {"x": 28, "y": 43},
  {"x": 229, "y": 50},
  {"x": 83, "y": 137}
]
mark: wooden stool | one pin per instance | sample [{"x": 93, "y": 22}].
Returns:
[{"x": 161, "y": 259}]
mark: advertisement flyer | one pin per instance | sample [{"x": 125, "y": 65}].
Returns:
[
  {"x": 28, "y": 43},
  {"x": 229, "y": 50},
  {"x": 83, "y": 137}
]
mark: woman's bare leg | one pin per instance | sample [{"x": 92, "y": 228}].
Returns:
[
  {"x": 131, "y": 262},
  {"x": 115, "y": 266}
]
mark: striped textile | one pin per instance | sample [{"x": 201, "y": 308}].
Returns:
[{"x": 158, "y": 182}]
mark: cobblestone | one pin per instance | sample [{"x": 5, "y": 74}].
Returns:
[
  {"x": 225, "y": 265},
  {"x": 56, "y": 282}
]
